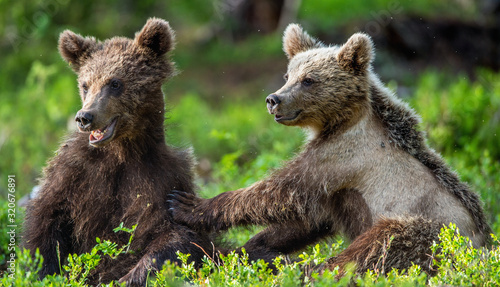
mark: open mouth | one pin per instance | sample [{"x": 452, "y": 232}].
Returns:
[
  {"x": 102, "y": 135},
  {"x": 281, "y": 118}
]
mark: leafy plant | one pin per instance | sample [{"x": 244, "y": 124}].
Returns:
[
  {"x": 74, "y": 273},
  {"x": 460, "y": 264},
  {"x": 462, "y": 121}
]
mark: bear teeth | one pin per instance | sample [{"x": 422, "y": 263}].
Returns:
[
  {"x": 102, "y": 134},
  {"x": 98, "y": 134}
]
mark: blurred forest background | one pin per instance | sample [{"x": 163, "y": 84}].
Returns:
[{"x": 441, "y": 56}]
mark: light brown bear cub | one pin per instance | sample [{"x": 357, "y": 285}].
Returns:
[
  {"x": 366, "y": 172},
  {"x": 117, "y": 168}
]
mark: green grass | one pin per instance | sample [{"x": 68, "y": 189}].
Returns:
[
  {"x": 457, "y": 263},
  {"x": 462, "y": 121}
]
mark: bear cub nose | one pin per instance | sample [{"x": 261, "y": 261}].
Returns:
[
  {"x": 272, "y": 101},
  {"x": 83, "y": 120}
]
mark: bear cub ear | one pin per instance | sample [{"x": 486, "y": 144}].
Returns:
[
  {"x": 296, "y": 40},
  {"x": 74, "y": 48},
  {"x": 156, "y": 36},
  {"x": 357, "y": 54}
]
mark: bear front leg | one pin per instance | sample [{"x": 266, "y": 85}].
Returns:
[
  {"x": 51, "y": 235},
  {"x": 164, "y": 248},
  {"x": 198, "y": 213},
  {"x": 261, "y": 204},
  {"x": 285, "y": 239},
  {"x": 139, "y": 274}
]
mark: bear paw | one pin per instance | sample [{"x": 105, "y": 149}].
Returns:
[{"x": 185, "y": 209}]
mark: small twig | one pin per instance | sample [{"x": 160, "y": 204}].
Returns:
[{"x": 203, "y": 251}]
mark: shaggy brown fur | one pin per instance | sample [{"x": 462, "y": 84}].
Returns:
[
  {"x": 118, "y": 167},
  {"x": 366, "y": 171},
  {"x": 411, "y": 240}
]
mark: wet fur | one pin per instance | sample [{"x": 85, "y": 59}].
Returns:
[{"x": 88, "y": 191}]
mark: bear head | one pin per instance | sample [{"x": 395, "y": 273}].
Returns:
[
  {"x": 326, "y": 86},
  {"x": 120, "y": 82}
]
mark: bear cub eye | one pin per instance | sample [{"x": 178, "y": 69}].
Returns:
[
  {"x": 85, "y": 88},
  {"x": 285, "y": 76},
  {"x": 307, "y": 82},
  {"x": 115, "y": 84}
]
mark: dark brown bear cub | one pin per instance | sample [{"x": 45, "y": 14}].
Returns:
[
  {"x": 117, "y": 168},
  {"x": 366, "y": 171}
]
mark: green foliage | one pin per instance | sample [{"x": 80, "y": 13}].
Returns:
[
  {"x": 462, "y": 121},
  {"x": 126, "y": 247},
  {"x": 74, "y": 273},
  {"x": 26, "y": 271},
  {"x": 39, "y": 110},
  {"x": 79, "y": 267},
  {"x": 460, "y": 264},
  {"x": 325, "y": 14},
  {"x": 4, "y": 237},
  {"x": 461, "y": 115},
  {"x": 239, "y": 136},
  {"x": 457, "y": 263},
  {"x": 218, "y": 53},
  {"x": 230, "y": 270}
]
